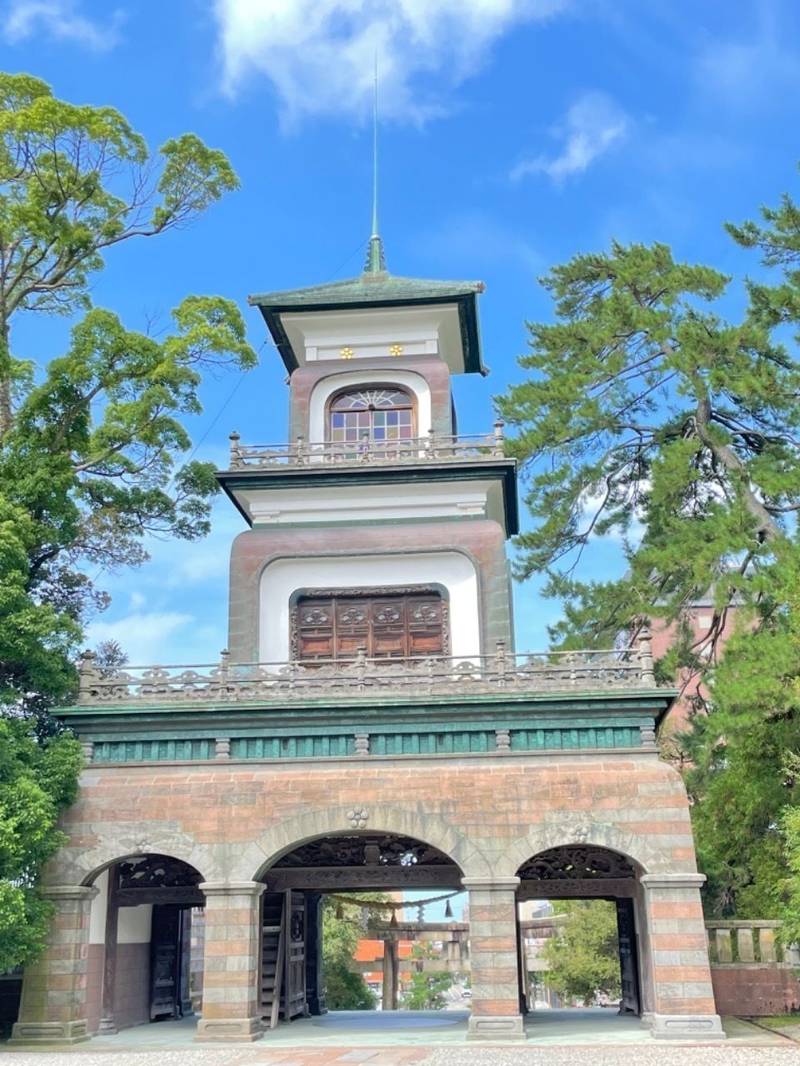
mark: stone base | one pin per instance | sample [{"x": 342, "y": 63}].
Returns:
[
  {"x": 646, "y": 1019},
  {"x": 695, "y": 1027},
  {"x": 499, "y": 1027},
  {"x": 50, "y": 1032},
  {"x": 244, "y": 1030}
]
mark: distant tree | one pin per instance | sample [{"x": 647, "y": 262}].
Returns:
[
  {"x": 91, "y": 447},
  {"x": 427, "y": 991},
  {"x": 583, "y": 957},
  {"x": 37, "y": 781},
  {"x": 342, "y": 928}
]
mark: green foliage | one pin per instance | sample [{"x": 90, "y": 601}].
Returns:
[
  {"x": 648, "y": 411},
  {"x": 790, "y": 824},
  {"x": 37, "y": 780},
  {"x": 651, "y": 417},
  {"x": 583, "y": 958},
  {"x": 91, "y": 450},
  {"x": 427, "y": 991},
  {"x": 342, "y": 928}
]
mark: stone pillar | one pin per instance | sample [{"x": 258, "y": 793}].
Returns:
[
  {"x": 391, "y": 973},
  {"x": 53, "y": 1007},
  {"x": 231, "y": 961},
  {"x": 315, "y": 978},
  {"x": 682, "y": 995},
  {"x": 108, "y": 995},
  {"x": 494, "y": 959}
]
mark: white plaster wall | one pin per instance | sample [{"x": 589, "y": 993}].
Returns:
[
  {"x": 324, "y": 389},
  {"x": 134, "y": 924},
  {"x": 97, "y": 914},
  {"x": 284, "y": 577}
]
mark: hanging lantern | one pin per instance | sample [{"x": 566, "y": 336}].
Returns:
[
  {"x": 393, "y": 920},
  {"x": 420, "y": 913},
  {"x": 448, "y": 910},
  {"x": 339, "y": 910}
]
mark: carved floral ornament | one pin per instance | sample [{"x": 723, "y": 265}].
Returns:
[
  {"x": 364, "y": 849},
  {"x": 579, "y": 862}
]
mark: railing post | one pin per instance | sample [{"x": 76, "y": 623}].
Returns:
[
  {"x": 430, "y": 443},
  {"x": 646, "y": 673},
  {"x": 361, "y": 666},
  {"x": 87, "y": 675},
  {"x": 361, "y": 741},
  {"x": 224, "y": 663},
  {"x": 301, "y": 450},
  {"x": 723, "y": 945},
  {"x": 499, "y": 438},
  {"x": 744, "y": 942},
  {"x": 236, "y": 455},
  {"x": 501, "y": 661}
]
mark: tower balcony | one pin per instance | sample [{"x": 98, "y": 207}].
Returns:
[
  {"x": 363, "y": 679},
  {"x": 496, "y": 704},
  {"x": 434, "y": 448}
]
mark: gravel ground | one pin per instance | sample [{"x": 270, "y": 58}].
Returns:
[{"x": 641, "y": 1054}]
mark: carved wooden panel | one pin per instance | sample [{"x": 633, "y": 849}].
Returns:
[
  {"x": 367, "y": 849},
  {"x": 393, "y": 624},
  {"x": 578, "y": 862}
]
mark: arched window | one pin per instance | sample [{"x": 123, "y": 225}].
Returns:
[{"x": 371, "y": 413}]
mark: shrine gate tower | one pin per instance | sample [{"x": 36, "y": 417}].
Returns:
[{"x": 370, "y": 725}]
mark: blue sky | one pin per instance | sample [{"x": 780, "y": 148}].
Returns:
[{"x": 515, "y": 134}]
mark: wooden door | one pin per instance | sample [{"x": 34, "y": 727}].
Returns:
[
  {"x": 385, "y": 626},
  {"x": 294, "y": 1000},
  {"x": 628, "y": 958},
  {"x": 165, "y": 950}
]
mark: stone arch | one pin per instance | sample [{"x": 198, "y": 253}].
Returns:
[
  {"x": 77, "y": 866},
  {"x": 324, "y": 389},
  {"x": 633, "y": 846},
  {"x": 312, "y": 824}
]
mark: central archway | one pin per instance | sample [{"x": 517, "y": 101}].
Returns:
[{"x": 346, "y": 864}]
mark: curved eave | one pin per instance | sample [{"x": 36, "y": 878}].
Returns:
[
  {"x": 303, "y": 477},
  {"x": 467, "y": 317}
]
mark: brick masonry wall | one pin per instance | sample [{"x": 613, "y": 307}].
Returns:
[
  {"x": 433, "y": 369},
  {"x": 482, "y": 539},
  {"x": 756, "y": 990},
  {"x": 232, "y": 821}
]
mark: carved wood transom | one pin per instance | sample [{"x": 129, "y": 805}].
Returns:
[{"x": 578, "y": 862}]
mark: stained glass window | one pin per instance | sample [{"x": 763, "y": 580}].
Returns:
[{"x": 372, "y": 414}]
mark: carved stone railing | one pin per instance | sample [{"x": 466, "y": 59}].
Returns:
[
  {"x": 433, "y": 448},
  {"x": 737, "y": 942},
  {"x": 503, "y": 671}
]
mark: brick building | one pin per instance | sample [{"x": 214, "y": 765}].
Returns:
[{"x": 370, "y": 726}]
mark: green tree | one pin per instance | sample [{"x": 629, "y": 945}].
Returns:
[
  {"x": 427, "y": 991},
  {"x": 342, "y": 928},
  {"x": 37, "y": 780},
  {"x": 583, "y": 957},
  {"x": 92, "y": 447},
  {"x": 652, "y": 417}
]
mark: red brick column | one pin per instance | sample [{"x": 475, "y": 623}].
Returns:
[
  {"x": 231, "y": 961},
  {"x": 683, "y": 997},
  {"x": 494, "y": 958},
  {"x": 53, "y": 1007}
]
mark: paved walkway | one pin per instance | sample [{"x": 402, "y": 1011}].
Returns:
[{"x": 593, "y": 1037}]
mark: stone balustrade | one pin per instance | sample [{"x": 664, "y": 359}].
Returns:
[
  {"x": 432, "y": 448},
  {"x": 737, "y": 942},
  {"x": 362, "y": 677}
]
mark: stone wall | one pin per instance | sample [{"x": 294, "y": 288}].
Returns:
[{"x": 756, "y": 989}]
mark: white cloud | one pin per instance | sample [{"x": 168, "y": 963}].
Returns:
[
  {"x": 319, "y": 54},
  {"x": 60, "y": 20},
  {"x": 747, "y": 72},
  {"x": 142, "y": 635},
  {"x": 593, "y": 124}
]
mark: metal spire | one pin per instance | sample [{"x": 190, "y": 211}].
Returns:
[{"x": 376, "y": 261}]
